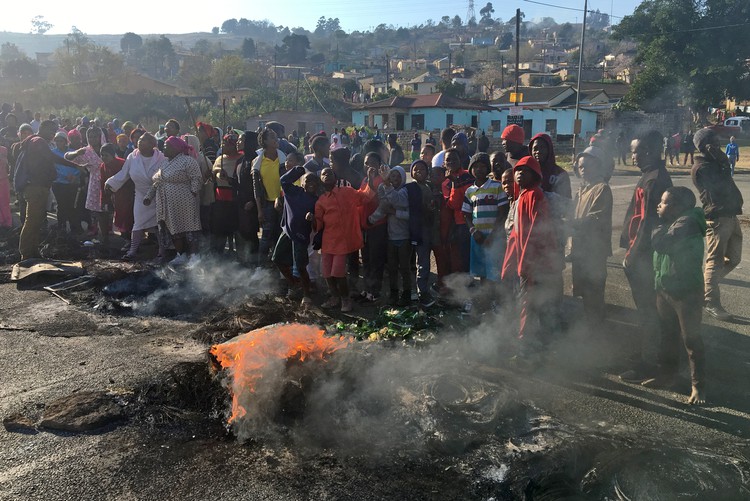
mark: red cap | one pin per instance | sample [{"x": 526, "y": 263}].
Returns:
[
  {"x": 531, "y": 163},
  {"x": 513, "y": 133}
]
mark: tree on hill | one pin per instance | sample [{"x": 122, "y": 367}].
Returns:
[
  {"x": 10, "y": 51},
  {"x": 130, "y": 43},
  {"x": 229, "y": 26},
  {"x": 456, "y": 21},
  {"x": 486, "y": 12},
  {"x": 248, "y": 48},
  {"x": 159, "y": 57},
  {"x": 233, "y": 72},
  {"x": 294, "y": 49},
  {"x": 451, "y": 89},
  {"x": 490, "y": 78},
  {"x": 40, "y": 26},
  {"x": 22, "y": 70},
  {"x": 685, "y": 59}
]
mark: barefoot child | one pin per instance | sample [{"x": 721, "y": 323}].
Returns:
[{"x": 678, "y": 260}]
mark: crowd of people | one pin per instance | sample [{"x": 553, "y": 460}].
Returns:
[{"x": 322, "y": 209}]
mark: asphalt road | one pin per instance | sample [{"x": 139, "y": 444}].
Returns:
[{"x": 55, "y": 350}]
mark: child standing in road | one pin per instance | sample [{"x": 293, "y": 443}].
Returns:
[
  {"x": 337, "y": 216},
  {"x": 678, "y": 260},
  {"x": 592, "y": 234},
  {"x": 530, "y": 255},
  {"x": 394, "y": 204},
  {"x": 421, "y": 221},
  {"x": 485, "y": 208}
]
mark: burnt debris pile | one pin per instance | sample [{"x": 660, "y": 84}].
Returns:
[{"x": 185, "y": 294}]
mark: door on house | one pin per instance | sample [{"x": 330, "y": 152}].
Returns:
[
  {"x": 417, "y": 122},
  {"x": 474, "y": 121},
  {"x": 301, "y": 129},
  {"x": 448, "y": 119},
  {"x": 399, "y": 121},
  {"x": 527, "y": 128}
]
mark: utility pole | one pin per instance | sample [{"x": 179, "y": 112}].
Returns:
[
  {"x": 577, "y": 123},
  {"x": 274, "y": 68},
  {"x": 450, "y": 55},
  {"x": 296, "y": 95},
  {"x": 502, "y": 71},
  {"x": 387, "y": 73},
  {"x": 518, "y": 49}
]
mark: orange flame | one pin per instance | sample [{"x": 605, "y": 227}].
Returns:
[{"x": 247, "y": 355}]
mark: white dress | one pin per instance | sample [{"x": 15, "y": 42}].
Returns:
[{"x": 141, "y": 171}]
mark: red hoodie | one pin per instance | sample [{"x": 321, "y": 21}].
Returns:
[
  {"x": 554, "y": 177},
  {"x": 532, "y": 244}
]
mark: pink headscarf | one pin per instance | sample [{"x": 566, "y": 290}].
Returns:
[
  {"x": 75, "y": 133},
  {"x": 179, "y": 145}
]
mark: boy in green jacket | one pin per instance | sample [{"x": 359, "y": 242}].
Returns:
[{"x": 678, "y": 260}]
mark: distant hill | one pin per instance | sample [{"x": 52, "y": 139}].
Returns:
[{"x": 31, "y": 44}]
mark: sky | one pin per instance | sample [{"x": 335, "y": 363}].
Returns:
[{"x": 189, "y": 16}]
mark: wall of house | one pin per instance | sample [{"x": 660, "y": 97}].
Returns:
[
  {"x": 491, "y": 121},
  {"x": 301, "y": 121},
  {"x": 564, "y": 120}
]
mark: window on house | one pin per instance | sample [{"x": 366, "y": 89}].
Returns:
[
  {"x": 318, "y": 126},
  {"x": 497, "y": 125},
  {"x": 417, "y": 122},
  {"x": 448, "y": 119},
  {"x": 550, "y": 126}
]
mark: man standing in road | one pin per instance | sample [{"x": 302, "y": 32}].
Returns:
[
  {"x": 39, "y": 164},
  {"x": 722, "y": 202},
  {"x": 640, "y": 219}
]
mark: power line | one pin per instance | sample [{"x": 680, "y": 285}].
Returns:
[
  {"x": 566, "y": 8},
  {"x": 314, "y": 95}
]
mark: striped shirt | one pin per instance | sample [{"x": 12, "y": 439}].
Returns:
[{"x": 482, "y": 203}]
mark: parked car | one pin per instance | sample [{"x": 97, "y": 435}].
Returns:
[{"x": 733, "y": 126}]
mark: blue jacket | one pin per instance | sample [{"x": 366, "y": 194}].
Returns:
[{"x": 297, "y": 203}]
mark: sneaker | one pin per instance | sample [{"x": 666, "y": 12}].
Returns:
[
  {"x": 346, "y": 305},
  {"x": 306, "y": 302},
  {"x": 426, "y": 300},
  {"x": 179, "y": 260},
  {"x": 332, "y": 302},
  {"x": 468, "y": 306},
  {"x": 126, "y": 247},
  {"x": 716, "y": 311}
]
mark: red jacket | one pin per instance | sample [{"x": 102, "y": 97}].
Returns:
[
  {"x": 454, "y": 190},
  {"x": 337, "y": 213},
  {"x": 532, "y": 244}
]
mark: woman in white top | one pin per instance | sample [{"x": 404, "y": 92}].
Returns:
[{"x": 140, "y": 167}]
